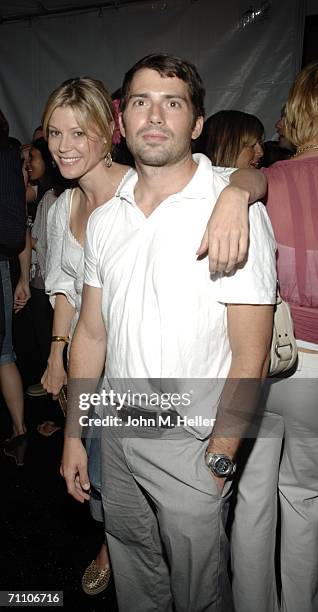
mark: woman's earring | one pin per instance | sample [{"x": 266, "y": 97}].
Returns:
[
  {"x": 53, "y": 164},
  {"x": 108, "y": 160}
]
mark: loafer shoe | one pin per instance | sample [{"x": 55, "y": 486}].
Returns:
[{"x": 95, "y": 580}]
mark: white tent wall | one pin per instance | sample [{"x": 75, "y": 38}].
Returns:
[{"x": 249, "y": 68}]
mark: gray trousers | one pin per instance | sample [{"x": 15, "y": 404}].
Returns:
[
  {"x": 291, "y": 469},
  {"x": 164, "y": 524}
]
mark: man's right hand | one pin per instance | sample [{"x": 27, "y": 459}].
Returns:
[{"x": 74, "y": 469}]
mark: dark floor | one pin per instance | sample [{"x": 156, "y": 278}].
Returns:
[{"x": 47, "y": 538}]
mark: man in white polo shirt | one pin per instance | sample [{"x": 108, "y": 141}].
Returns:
[{"x": 166, "y": 319}]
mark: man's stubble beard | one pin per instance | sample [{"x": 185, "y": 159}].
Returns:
[{"x": 148, "y": 156}]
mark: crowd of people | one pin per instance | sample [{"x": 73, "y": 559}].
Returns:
[{"x": 169, "y": 266}]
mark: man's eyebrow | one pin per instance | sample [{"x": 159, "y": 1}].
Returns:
[
  {"x": 167, "y": 96},
  {"x": 139, "y": 95},
  {"x": 176, "y": 97}
]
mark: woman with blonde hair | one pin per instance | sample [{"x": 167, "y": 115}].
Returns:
[
  {"x": 78, "y": 122},
  {"x": 287, "y": 458}
]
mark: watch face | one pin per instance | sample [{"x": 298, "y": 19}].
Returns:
[{"x": 222, "y": 466}]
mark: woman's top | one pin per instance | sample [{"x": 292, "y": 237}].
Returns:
[
  {"x": 292, "y": 205},
  {"x": 65, "y": 256},
  {"x": 39, "y": 232}
]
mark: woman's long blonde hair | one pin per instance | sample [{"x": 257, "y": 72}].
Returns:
[{"x": 90, "y": 102}]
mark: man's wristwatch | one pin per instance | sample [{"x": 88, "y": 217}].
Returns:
[{"x": 220, "y": 465}]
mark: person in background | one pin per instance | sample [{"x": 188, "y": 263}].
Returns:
[
  {"x": 38, "y": 133},
  {"x": 44, "y": 173},
  {"x": 12, "y": 239},
  {"x": 287, "y": 460},
  {"x": 31, "y": 190},
  {"x": 232, "y": 139},
  {"x": 280, "y": 127},
  {"x": 278, "y": 150},
  {"x": 273, "y": 152},
  {"x": 2, "y": 317},
  {"x": 120, "y": 151},
  {"x": 5, "y": 129},
  {"x": 21, "y": 268},
  {"x": 22, "y": 291}
]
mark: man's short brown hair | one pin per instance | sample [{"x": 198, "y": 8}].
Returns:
[{"x": 169, "y": 66}]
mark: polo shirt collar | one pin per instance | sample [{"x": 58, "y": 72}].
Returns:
[
  {"x": 200, "y": 183},
  {"x": 127, "y": 187},
  {"x": 196, "y": 188}
]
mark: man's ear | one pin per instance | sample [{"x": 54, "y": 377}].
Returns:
[
  {"x": 197, "y": 128},
  {"x": 121, "y": 124}
]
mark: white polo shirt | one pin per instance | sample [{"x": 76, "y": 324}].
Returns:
[{"x": 164, "y": 315}]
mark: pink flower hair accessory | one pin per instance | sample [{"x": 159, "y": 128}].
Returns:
[{"x": 116, "y": 134}]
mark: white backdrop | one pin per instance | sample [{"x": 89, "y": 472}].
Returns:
[{"x": 247, "y": 69}]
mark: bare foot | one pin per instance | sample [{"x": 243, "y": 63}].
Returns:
[
  {"x": 97, "y": 575},
  {"x": 102, "y": 559}
]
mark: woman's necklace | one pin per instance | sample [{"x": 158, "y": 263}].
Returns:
[{"x": 306, "y": 148}]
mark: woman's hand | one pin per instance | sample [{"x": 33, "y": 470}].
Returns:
[
  {"x": 226, "y": 236},
  {"x": 54, "y": 376},
  {"x": 22, "y": 294}
]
